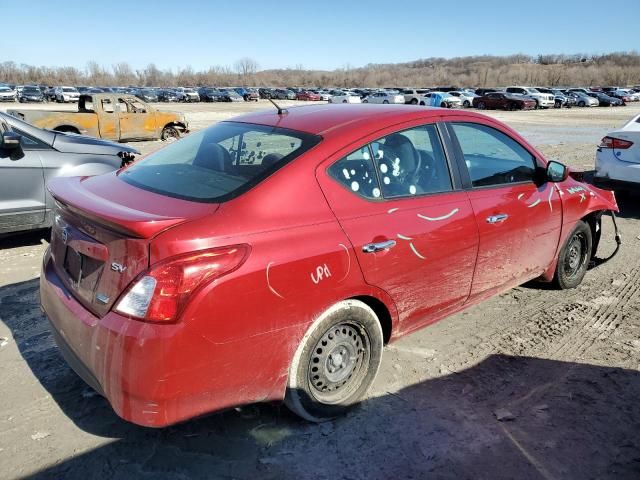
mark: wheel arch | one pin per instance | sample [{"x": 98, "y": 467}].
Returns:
[{"x": 66, "y": 128}]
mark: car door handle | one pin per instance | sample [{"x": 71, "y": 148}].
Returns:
[
  {"x": 376, "y": 247},
  {"x": 497, "y": 218}
]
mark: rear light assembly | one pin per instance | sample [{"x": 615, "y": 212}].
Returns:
[
  {"x": 160, "y": 294},
  {"x": 617, "y": 143}
]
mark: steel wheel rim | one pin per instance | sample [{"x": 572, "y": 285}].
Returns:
[
  {"x": 576, "y": 255},
  {"x": 339, "y": 362}
]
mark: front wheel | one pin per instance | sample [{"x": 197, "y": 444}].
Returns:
[
  {"x": 581, "y": 104},
  {"x": 414, "y": 101},
  {"x": 481, "y": 106},
  {"x": 170, "y": 134},
  {"x": 466, "y": 104},
  {"x": 336, "y": 362},
  {"x": 574, "y": 257},
  {"x": 385, "y": 102}
]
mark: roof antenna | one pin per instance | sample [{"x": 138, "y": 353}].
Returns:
[{"x": 281, "y": 111}]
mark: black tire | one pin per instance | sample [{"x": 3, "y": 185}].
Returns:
[
  {"x": 481, "y": 106},
  {"x": 574, "y": 257},
  {"x": 318, "y": 389},
  {"x": 365, "y": 101},
  {"x": 344, "y": 101},
  {"x": 385, "y": 102},
  {"x": 443, "y": 105},
  {"x": 170, "y": 134},
  {"x": 414, "y": 101},
  {"x": 581, "y": 103},
  {"x": 466, "y": 104},
  {"x": 422, "y": 103},
  {"x": 537, "y": 105}
]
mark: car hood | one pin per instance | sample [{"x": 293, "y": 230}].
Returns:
[{"x": 71, "y": 143}]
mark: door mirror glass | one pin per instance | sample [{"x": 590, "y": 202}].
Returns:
[
  {"x": 10, "y": 140},
  {"x": 556, "y": 172}
]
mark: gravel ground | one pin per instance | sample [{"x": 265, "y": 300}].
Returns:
[{"x": 532, "y": 384}]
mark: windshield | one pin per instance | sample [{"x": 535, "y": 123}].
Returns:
[
  {"x": 68, "y": 89},
  {"x": 532, "y": 90},
  {"x": 218, "y": 163},
  {"x": 31, "y": 90},
  {"x": 5, "y": 89}
]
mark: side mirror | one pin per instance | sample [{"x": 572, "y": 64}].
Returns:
[
  {"x": 10, "y": 141},
  {"x": 556, "y": 172}
]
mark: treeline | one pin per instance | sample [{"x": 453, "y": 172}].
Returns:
[{"x": 621, "y": 68}]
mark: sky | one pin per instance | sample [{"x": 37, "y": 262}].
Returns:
[{"x": 326, "y": 35}]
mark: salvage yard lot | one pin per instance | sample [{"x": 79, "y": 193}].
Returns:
[{"x": 535, "y": 383}]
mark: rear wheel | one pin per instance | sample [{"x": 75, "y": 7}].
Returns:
[
  {"x": 365, "y": 101},
  {"x": 414, "y": 101},
  {"x": 581, "y": 103},
  {"x": 574, "y": 257},
  {"x": 344, "y": 101},
  {"x": 466, "y": 104},
  {"x": 385, "y": 101},
  {"x": 336, "y": 362},
  {"x": 170, "y": 134}
]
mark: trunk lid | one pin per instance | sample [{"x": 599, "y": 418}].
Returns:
[{"x": 101, "y": 233}]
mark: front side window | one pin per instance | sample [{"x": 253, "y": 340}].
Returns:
[
  {"x": 492, "y": 157},
  {"x": 219, "y": 163}
]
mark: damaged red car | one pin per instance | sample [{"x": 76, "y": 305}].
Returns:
[{"x": 271, "y": 257}]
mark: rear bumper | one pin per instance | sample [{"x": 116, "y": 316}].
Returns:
[
  {"x": 613, "y": 172},
  {"x": 616, "y": 185},
  {"x": 157, "y": 375}
]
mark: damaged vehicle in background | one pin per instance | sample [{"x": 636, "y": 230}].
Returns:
[
  {"x": 30, "y": 157},
  {"x": 272, "y": 256},
  {"x": 8, "y": 94},
  {"x": 111, "y": 116}
]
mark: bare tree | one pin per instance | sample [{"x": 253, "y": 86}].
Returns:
[{"x": 246, "y": 66}]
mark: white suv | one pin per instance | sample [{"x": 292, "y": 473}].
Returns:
[{"x": 543, "y": 100}]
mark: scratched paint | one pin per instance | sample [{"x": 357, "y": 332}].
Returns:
[
  {"x": 391, "y": 210},
  {"x": 534, "y": 204},
  {"x": 273, "y": 290},
  {"x": 404, "y": 237},
  {"x": 348, "y": 262},
  {"x": 549, "y": 199},
  {"x": 413, "y": 248},
  {"x": 443, "y": 217}
]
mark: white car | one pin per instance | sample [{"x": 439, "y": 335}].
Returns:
[
  {"x": 7, "y": 94},
  {"x": 465, "y": 97},
  {"x": 345, "y": 97},
  {"x": 66, "y": 94},
  {"x": 618, "y": 158},
  {"x": 413, "y": 96},
  {"x": 384, "y": 97},
  {"x": 543, "y": 100},
  {"x": 324, "y": 94}
]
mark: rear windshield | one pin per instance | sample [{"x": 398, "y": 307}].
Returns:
[{"x": 218, "y": 163}]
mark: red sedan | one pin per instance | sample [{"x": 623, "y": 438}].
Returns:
[
  {"x": 272, "y": 256},
  {"x": 309, "y": 96}
]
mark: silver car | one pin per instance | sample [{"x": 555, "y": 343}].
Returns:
[{"x": 30, "y": 156}]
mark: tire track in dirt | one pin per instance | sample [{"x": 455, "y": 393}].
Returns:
[
  {"x": 604, "y": 322},
  {"x": 567, "y": 327}
]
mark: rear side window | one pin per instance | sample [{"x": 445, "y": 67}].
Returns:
[
  {"x": 219, "y": 163},
  {"x": 404, "y": 164},
  {"x": 356, "y": 172},
  {"x": 492, "y": 157}
]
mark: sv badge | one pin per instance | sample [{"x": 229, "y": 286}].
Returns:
[{"x": 116, "y": 267}]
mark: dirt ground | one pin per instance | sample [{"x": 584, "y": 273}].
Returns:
[{"x": 532, "y": 384}]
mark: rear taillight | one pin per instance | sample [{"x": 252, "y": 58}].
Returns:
[
  {"x": 161, "y": 294},
  {"x": 610, "y": 142}
]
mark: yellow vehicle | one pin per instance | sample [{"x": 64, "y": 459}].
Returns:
[{"x": 111, "y": 116}]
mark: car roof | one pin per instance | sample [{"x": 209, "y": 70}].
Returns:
[{"x": 325, "y": 119}]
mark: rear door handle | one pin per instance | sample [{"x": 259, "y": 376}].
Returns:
[
  {"x": 497, "y": 218},
  {"x": 376, "y": 247}
]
